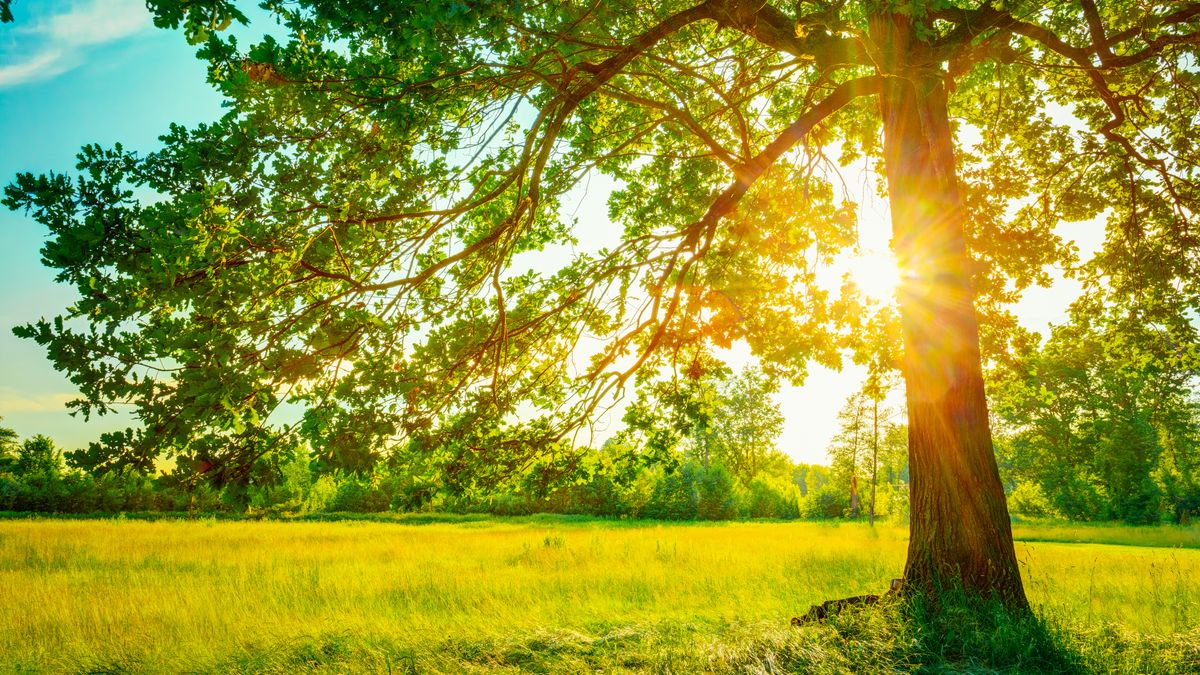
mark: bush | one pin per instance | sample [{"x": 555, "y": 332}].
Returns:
[
  {"x": 766, "y": 499},
  {"x": 1029, "y": 500},
  {"x": 826, "y": 502}
]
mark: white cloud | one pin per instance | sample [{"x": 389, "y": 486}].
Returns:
[
  {"x": 40, "y": 66},
  {"x": 58, "y": 43},
  {"x": 98, "y": 21}
]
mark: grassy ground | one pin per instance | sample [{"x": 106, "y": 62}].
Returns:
[
  {"x": 1163, "y": 536},
  {"x": 562, "y": 595}
]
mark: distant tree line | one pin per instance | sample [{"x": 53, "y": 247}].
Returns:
[
  {"x": 36, "y": 479},
  {"x": 1099, "y": 421},
  {"x": 694, "y": 448}
]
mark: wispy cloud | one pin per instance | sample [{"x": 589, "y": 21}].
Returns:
[
  {"x": 57, "y": 43},
  {"x": 19, "y": 402},
  {"x": 40, "y": 66}
]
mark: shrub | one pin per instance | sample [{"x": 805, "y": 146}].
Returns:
[
  {"x": 1028, "y": 499},
  {"x": 764, "y": 499},
  {"x": 826, "y": 502}
]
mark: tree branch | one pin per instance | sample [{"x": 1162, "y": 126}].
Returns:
[
  {"x": 748, "y": 172},
  {"x": 773, "y": 28}
]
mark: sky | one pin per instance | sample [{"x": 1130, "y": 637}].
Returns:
[{"x": 74, "y": 72}]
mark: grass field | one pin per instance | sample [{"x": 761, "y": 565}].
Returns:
[{"x": 563, "y": 595}]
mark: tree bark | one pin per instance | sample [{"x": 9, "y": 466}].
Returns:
[
  {"x": 854, "y": 495},
  {"x": 961, "y": 536}
]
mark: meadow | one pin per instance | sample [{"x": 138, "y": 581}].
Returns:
[{"x": 570, "y": 595}]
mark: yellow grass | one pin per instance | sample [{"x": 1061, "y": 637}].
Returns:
[{"x": 176, "y": 596}]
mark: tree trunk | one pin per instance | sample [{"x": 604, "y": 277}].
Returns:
[
  {"x": 874, "y": 455},
  {"x": 854, "y": 495},
  {"x": 960, "y": 530},
  {"x": 858, "y": 410}
]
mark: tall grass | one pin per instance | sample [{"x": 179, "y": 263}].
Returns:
[{"x": 538, "y": 595}]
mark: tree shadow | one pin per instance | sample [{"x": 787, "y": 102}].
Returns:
[{"x": 956, "y": 632}]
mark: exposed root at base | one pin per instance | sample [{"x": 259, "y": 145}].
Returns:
[{"x": 818, "y": 613}]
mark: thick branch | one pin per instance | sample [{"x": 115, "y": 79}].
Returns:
[
  {"x": 972, "y": 23},
  {"x": 773, "y": 28},
  {"x": 748, "y": 172},
  {"x": 1096, "y": 28}
]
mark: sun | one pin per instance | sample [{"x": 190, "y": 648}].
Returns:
[{"x": 876, "y": 275}]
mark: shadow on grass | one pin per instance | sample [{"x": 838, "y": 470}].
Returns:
[
  {"x": 892, "y": 637},
  {"x": 956, "y": 633},
  {"x": 960, "y": 634}
]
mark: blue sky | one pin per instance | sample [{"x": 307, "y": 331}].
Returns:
[
  {"x": 71, "y": 73},
  {"x": 96, "y": 71}
]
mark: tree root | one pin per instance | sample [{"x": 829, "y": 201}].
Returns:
[{"x": 818, "y": 613}]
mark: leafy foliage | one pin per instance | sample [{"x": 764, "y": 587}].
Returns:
[
  {"x": 1103, "y": 417},
  {"x": 711, "y": 416},
  {"x": 377, "y": 233}
]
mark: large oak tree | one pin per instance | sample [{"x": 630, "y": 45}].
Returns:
[{"x": 372, "y": 231}]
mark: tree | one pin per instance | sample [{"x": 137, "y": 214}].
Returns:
[
  {"x": 876, "y": 389},
  {"x": 863, "y": 435},
  {"x": 746, "y": 422},
  {"x": 711, "y": 417},
  {"x": 8, "y": 449},
  {"x": 358, "y": 235},
  {"x": 673, "y": 414},
  {"x": 37, "y": 456},
  {"x": 893, "y": 467},
  {"x": 1103, "y": 417},
  {"x": 851, "y": 442}
]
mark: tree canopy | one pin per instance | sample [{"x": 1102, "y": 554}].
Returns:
[{"x": 380, "y": 230}]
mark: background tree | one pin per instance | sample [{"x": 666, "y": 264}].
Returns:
[
  {"x": 876, "y": 389},
  {"x": 1103, "y": 417},
  {"x": 810, "y": 477},
  {"x": 8, "y": 448},
  {"x": 866, "y": 441},
  {"x": 716, "y": 417},
  {"x": 850, "y": 445},
  {"x": 673, "y": 413},
  {"x": 38, "y": 456},
  {"x": 355, "y": 235},
  {"x": 893, "y": 470},
  {"x": 746, "y": 423}
]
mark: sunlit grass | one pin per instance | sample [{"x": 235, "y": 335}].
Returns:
[
  {"x": 1164, "y": 536},
  {"x": 172, "y": 596}
]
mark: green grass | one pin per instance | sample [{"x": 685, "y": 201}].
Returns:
[
  {"x": 563, "y": 595},
  {"x": 1163, "y": 536}
]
